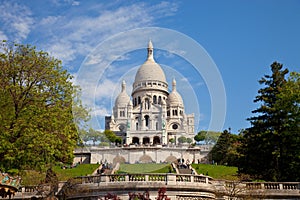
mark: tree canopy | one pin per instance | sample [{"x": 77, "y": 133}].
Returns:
[
  {"x": 111, "y": 137},
  {"x": 224, "y": 151},
  {"x": 209, "y": 137},
  {"x": 271, "y": 146},
  {"x": 36, "y": 119}
]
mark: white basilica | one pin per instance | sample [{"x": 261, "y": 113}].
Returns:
[{"x": 152, "y": 115}]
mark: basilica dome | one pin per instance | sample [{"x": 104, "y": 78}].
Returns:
[
  {"x": 174, "y": 97},
  {"x": 150, "y": 71},
  {"x": 122, "y": 99}
]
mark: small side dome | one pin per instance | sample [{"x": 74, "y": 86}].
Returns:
[
  {"x": 174, "y": 97},
  {"x": 122, "y": 99}
]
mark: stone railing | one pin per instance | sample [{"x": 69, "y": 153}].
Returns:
[
  {"x": 273, "y": 186},
  {"x": 168, "y": 179},
  {"x": 180, "y": 181}
]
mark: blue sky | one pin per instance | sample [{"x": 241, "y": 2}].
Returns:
[{"x": 242, "y": 38}]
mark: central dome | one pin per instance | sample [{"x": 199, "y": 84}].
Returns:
[{"x": 150, "y": 73}]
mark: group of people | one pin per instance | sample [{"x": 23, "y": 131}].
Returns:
[
  {"x": 103, "y": 166},
  {"x": 182, "y": 164}
]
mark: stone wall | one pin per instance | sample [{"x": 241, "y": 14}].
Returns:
[{"x": 139, "y": 154}]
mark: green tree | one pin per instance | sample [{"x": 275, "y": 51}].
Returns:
[
  {"x": 209, "y": 137},
  {"x": 112, "y": 137},
  {"x": 93, "y": 135},
  {"x": 172, "y": 140},
  {"x": 274, "y": 129},
  {"x": 200, "y": 136},
  {"x": 189, "y": 140},
  {"x": 36, "y": 120},
  {"x": 288, "y": 105},
  {"x": 182, "y": 139},
  {"x": 224, "y": 151}
]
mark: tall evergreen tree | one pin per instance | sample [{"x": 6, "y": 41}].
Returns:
[
  {"x": 288, "y": 103},
  {"x": 263, "y": 146},
  {"x": 225, "y": 150}
]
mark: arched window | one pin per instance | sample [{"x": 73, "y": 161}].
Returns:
[
  {"x": 147, "y": 104},
  {"x": 159, "y": 99},
  {"x": 122, "y": 113},
  {"x": 146, "y": 140},
  {"x": 139, "y": 100},
  {"x": 135, "y": 140},
  {"x": 154, "y": 99},
  {"x": 147, "y": 120},
  {"x": 174, "y": 112},
  {"x": 156, "y": 140}
]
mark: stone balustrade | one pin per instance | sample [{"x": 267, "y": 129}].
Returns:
[
  {"x": 274, "y": 185},
  {"x": 168, "y": 179},
  {"x": 177, "y": 185}
]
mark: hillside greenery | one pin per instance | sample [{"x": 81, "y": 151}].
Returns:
[
  {"x": 32, "y": 177},
  {"x": 217, "y": 171}
]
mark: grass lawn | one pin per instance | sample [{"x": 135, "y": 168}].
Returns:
[
  {"x": 31, "y": 177},
  {"x": 217, "y": 171},
  {"x": 145, "y": 168},
  {"x": 80, "y": 170}
]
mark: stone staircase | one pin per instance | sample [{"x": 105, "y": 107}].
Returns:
[{"x": 184, "y": 169}]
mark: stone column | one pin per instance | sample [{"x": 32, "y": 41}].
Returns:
[{"x": 128, "y": 138}]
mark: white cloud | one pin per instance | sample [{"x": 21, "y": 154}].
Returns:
[
  {"x": 105, "y": 89},
  {"x": 63, "y": 51},
  {"x": 100, "y": 111},
  {"x": 77, "y": 36},
  {"x": 16, "y": 20},
  {"x": 75, "y": 33},
  {"x": 75, "y": 3},
  {"x": 49, "y": 20},
  {"x": 3, "y": 36}
]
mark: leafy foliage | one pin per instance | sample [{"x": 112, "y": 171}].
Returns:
[
  {"x": 182, "y": 139},
  {"x": 209, "y": 137},
  {"x": 270, "y": 146},
  {"x": 224, "y": 151},
  {"x": 112, "y": 137},
  {"x": 189, "y": 140},
  {"x": 36, "y": 120},
  {"x": 62, "y": 174}
]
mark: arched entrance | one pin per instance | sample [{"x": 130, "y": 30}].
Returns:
[
  {"x": 135, "y": 140},
  {"x": 156, "y": 140},
  {"x": 146, "y": 140}
]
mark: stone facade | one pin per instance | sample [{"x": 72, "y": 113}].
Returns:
[{"x": 152, "y": 115}]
